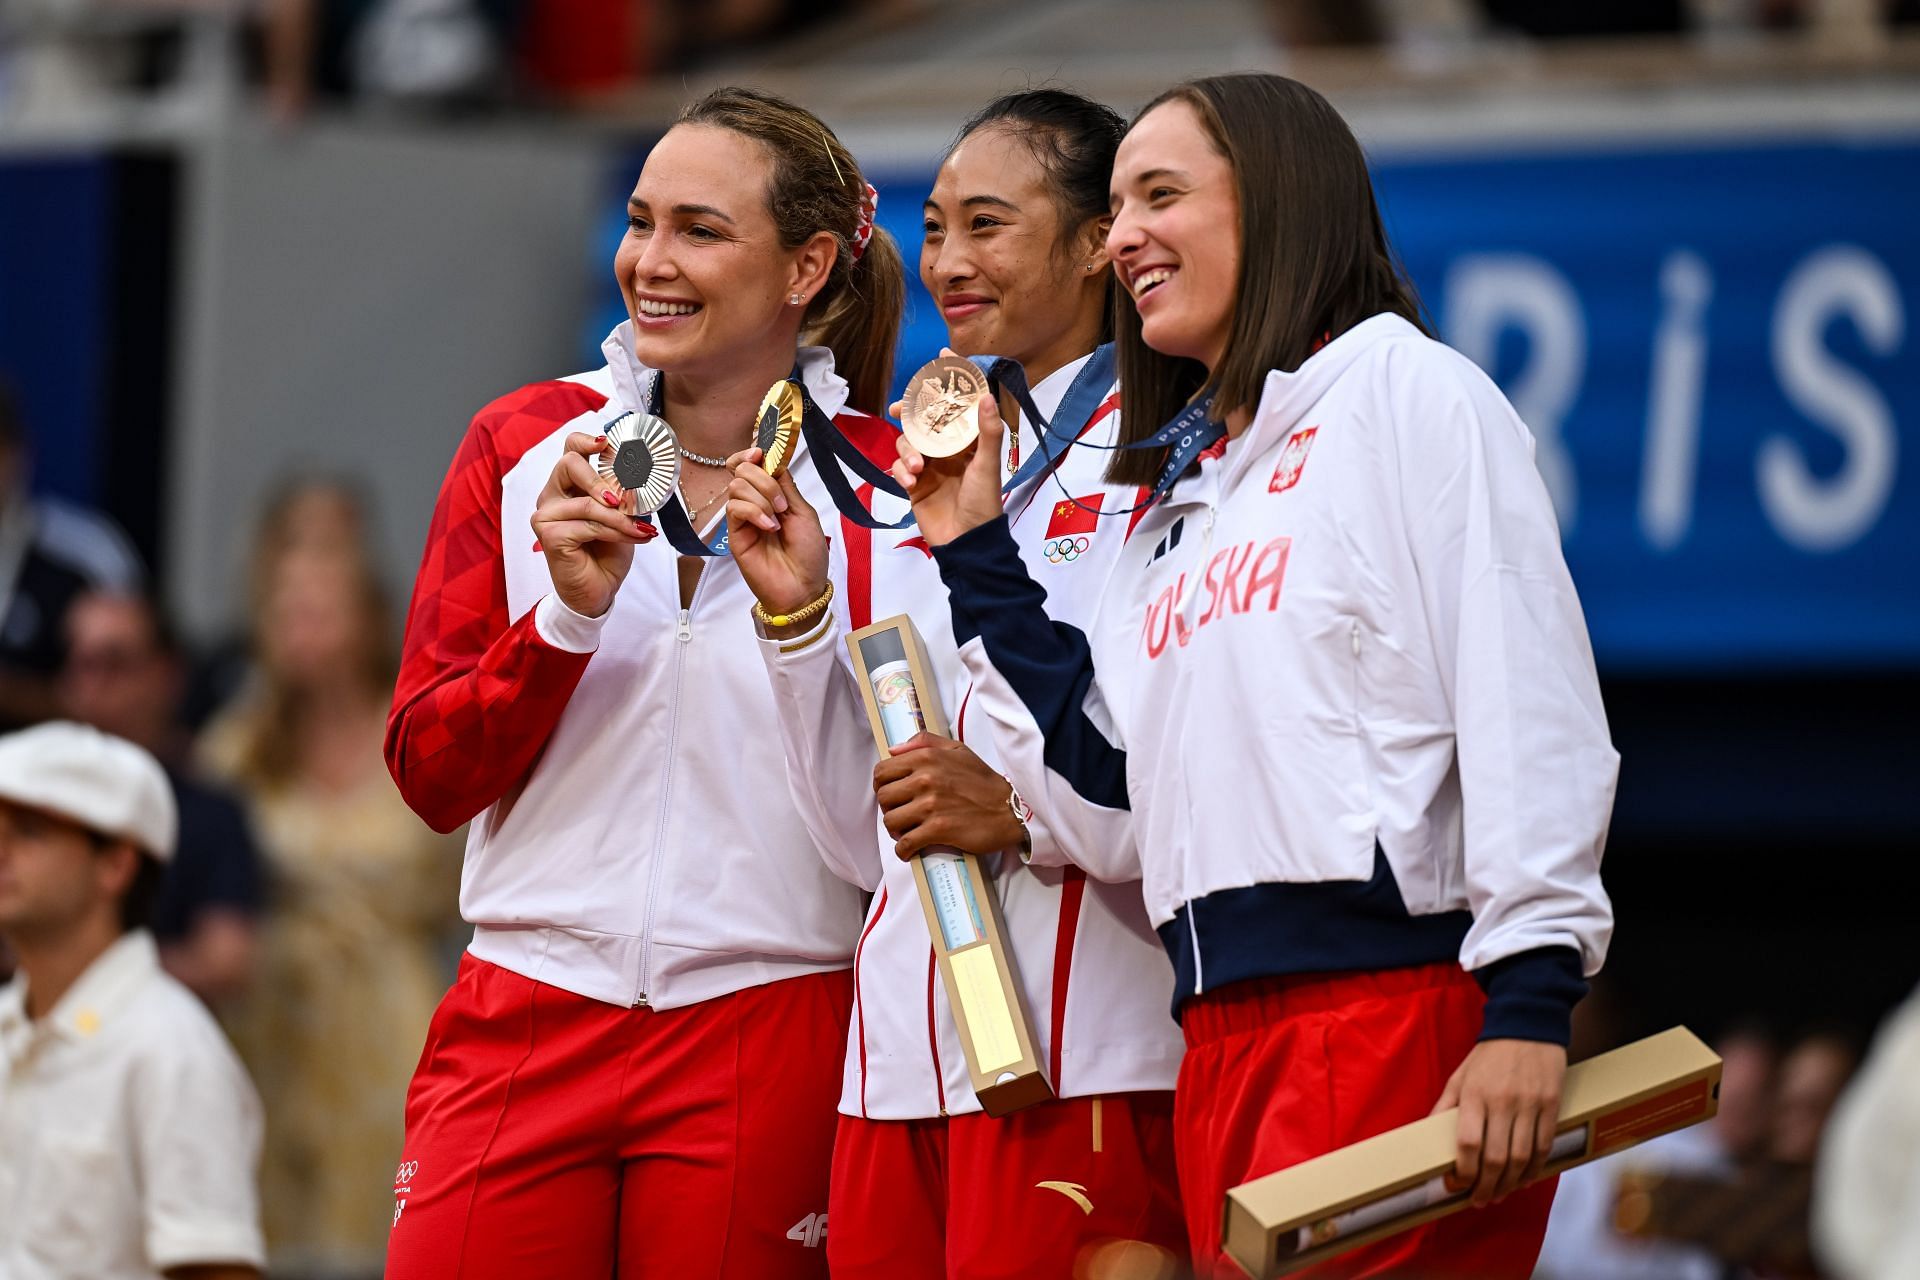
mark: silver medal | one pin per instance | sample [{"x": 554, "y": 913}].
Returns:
[{"x": 643, "y": 457}]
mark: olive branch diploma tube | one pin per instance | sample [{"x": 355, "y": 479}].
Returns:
[{"x": 956, "y": 893}]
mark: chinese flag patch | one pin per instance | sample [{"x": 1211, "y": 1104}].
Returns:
[
  {"x": 1078, "y": 515},
  {"x": 1293, "y": 460}
]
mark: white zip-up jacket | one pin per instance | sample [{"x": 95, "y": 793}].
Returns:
[
  {"x": 632, "y": 837},
  {"x": 1096, "y": 982},
  {"x": 1345, "y": 713}
]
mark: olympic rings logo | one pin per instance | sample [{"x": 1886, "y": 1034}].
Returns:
[
  {"x": 1063, "y": 550},
  {"x": 406, "y": 1173}
]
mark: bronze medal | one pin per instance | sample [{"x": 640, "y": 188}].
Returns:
[
  {"x": 778, "y": 426},
  {"x": 643, "y": 457},
  {"x": 940, "y": 417}
]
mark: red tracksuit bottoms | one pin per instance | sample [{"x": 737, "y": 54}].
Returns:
[
  {"x": 1073, "y": 1187},
  {"x": 549, "y": 1134},
  {"x": 1279, "y": 1070}
]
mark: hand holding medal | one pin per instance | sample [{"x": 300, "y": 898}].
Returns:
[
  {"x": 586, "y": 525},
  {"x": 950, "y": 448},
  {"x": 773, "y": 532}
]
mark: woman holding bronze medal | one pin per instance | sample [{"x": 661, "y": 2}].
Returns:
[
  {"x": 635, "y": 1071},
  {"x": 925, "y": 1184},
  {"x": 1338, "y": 696}
]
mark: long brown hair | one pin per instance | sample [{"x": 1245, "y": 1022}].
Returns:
[
  {"x": 272, "y": 714},
  {"x": 817, "y": 186},
  {"x": 1314, "y": 257}
]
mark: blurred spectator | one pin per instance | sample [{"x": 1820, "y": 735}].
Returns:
[
  {"x": 1748, "y": 1060},
  {"x": 1812, "y": 1075},
  {"x": 363, "y": 894},
  {"x": 425, "y": 53},
  {"x": 1582, "y": 1242},
  {"x": 128, "y": 1131},
  {"x": 1557, "y": 18},
  {"x": 1866, "y": 1207},
  {"x": 124, "y": 675},
  {"x": 51, "y": 552}
]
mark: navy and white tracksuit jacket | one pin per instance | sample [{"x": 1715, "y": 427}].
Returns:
[{"x": 1337, "y": 706}]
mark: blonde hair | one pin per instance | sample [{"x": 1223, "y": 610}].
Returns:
[
  {"x": 264, "y": 726},
  {"x": 817, "y": 186}
]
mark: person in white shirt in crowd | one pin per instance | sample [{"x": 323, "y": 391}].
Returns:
[
  {"x": 1338, "y": 698},
  {"x": 925, "y": 1184},
  {"x": 1866, "y": 1186},
  {"x": 129, "y": 1133}
]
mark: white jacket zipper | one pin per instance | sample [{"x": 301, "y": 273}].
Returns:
[{"x": 683, "y": 636}]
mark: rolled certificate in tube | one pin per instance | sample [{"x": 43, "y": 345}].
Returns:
[
  {"x": 1405, "y": 1204},
  {"x": 963, "y": 913},
  {"x": 954, "y": 900}
]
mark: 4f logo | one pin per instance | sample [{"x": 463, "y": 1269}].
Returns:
[
  {"x": 810, "y": 1231},
  {"x": 1293, "y": 460}
]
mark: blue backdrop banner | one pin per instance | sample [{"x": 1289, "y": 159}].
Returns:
[{"x": 1714, "y": 347}]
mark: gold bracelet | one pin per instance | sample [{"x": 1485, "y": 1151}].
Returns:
[{"x": 805, "y": 611}]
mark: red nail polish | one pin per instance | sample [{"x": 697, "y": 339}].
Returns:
[{"x": 606, "y": 496}]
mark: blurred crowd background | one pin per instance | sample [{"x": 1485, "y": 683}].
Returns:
[{"x": 261, "y": 259}]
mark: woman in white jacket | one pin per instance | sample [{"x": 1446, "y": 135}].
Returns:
[
  {"x": 1345, "y": 711},
  {"x": 925, "y": 1184},
  {"x": 635, "y": 1071}
]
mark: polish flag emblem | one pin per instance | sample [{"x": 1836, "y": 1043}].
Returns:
[{"x": 1293, "y": 460}]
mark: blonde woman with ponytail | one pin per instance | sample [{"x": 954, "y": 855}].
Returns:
[{"x": 636, "y": 1070}]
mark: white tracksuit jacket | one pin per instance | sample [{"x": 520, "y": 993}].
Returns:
[
  {"x": 632, "y": 838},
  {"x": 1097, "y": 984},
  {"x": 1345, "y": 713}
]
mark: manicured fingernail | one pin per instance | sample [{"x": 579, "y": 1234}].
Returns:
[
  {"x": 770, "y": 524},
  {"x": 599, "y": 439},
  {"x": 606, "y": 496},
  {"x": 780, "y": 503}
]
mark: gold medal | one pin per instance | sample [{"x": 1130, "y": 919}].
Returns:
[
  {"x": 643, "y": 457},
  {"x": 778, "y": 426},
  {"x": 940, "y": 417}
]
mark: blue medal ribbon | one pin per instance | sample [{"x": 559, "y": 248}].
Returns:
[
  {"x": 1083, "y": 398},
  {"x": 1191, "y": 432}
]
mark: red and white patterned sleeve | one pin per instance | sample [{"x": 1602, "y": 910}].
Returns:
[{"x": 478, "y": 695}]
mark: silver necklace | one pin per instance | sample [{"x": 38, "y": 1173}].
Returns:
[{"x": 700, "y": 458}]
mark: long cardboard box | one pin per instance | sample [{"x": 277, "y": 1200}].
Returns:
[{"x": 1393, "y": 1181}]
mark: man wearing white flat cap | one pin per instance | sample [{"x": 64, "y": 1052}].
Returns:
[{"x": 129, "y": 1133}]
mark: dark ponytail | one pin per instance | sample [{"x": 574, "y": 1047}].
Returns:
[{"x": 817, "y": 186}]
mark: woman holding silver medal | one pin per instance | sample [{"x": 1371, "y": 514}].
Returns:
[
  {"x": 1339, "y": 697},
  {"x": 634, "y": 1073},
  {"x": 925, "y": 1184}
]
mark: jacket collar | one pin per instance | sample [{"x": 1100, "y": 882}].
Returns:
[
  {"x": 632, "y": 381},
  {"x": 106, "y": 988},
  {"x": 1285, "y": 397}
]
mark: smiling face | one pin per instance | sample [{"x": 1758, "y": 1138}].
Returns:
[
  {"x": 1009, "y": 279},
  {"x": 701, "y": 268},
  {"x": 1175, "y": 241}
]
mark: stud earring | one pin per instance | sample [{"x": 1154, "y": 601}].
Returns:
[{"x": 794, "y": 299}]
